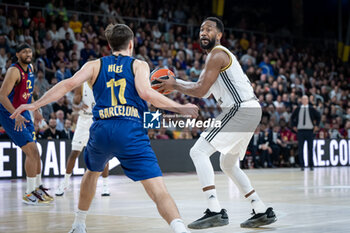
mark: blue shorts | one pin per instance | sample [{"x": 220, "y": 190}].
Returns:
[
  {"x": 126, "y": 140},
  {"x": 20, "y": 138}
]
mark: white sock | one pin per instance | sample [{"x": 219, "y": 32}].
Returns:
[
  {"x": 105, "y": 181},
  {"x": 38, "y": 180},
  {"x": 213, "y": 202},
  {"x": 30, "y": 184},
  {"x": 66, "y": 178},
  {"x": 80, "y": 217},
  {"x": 257, "y": 204},
  {"x": 178, "y": 226}
]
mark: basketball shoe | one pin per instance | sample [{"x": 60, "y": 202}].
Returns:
[
  {"x": 34, "y": 198},
  {"x": 210, "y": 219},
  {"x": 61, "y": 189},
  {"x": 78, "y": 228},
  {"x": 42, "y": 191},
  {"x": 105, "y": 191},
  {"x": 260, "y": 219}
]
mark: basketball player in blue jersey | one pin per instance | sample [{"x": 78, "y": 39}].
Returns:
[
  {"x": 17, "y": 89},
  {"x": 121, "y": 88}
]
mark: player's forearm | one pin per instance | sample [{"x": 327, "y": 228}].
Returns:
[
  {"x": 160, "y": 101},
  {"x": 54, "y": 94},
  {"x": 5, "y": 101},
  {"x": 189, "y": 88}
]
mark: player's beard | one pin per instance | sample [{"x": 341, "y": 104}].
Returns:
[
  {"x": 209, "y": 46},
  {"x": 26, "y": 61}
]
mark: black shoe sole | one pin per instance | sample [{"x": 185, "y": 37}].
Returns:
[
  {"x": 59, "y": 195},
  {"x": 204, "y": 224},
  {"x": 105, "y": 195},
  {"x": 259, "y": 222}
]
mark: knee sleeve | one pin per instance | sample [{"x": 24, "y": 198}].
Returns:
[
  {"x": 202, "y": 148},
  {"x": 228, "y": 162}
]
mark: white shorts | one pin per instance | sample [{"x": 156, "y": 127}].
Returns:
[
  {"x": 237, "y": 127},
  {"x": 82, "y": 132}
]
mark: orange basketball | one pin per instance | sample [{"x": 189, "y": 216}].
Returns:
[{"x": 160, "y": 74}]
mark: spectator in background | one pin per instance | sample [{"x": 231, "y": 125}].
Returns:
[
  {"x": 26, "y": 19},
  {"x": 41, "y": 83},
  {"x": 55, "y": 35},
  {"x": 63, "y": 72},
  {"x": 38, "y": 132},
  {"x": 264, "y": 146},
  {"x": 2, "y": 20},
  {"x": 334, "y": 132},
  {"x": 276, "y": 145},
  {"x": 79, "y": 42},
  {"x": 4, "y": 44},
  {"x": 248, "y": 57},
  {"x": 243, "y": 42},
  {"x": 52, "y": 132},
  {"x": 266, "y": 66},
  {"x": 61, "y": 105},
  {"x": 3, "y": 60},
  {"x": 62, "y": 11},
  {"x": 67, "y": 129},
  {"x": 195, "y": 71},
  {"x": 38, "y": 18},
  {"x": 60, "y": 120},
  {"x": 50, "y": 8},
  {"x": 28, "y": 38},
  {"x": 87, "y": 53},
  {"x": 289, "y": 138},
  {"x": 75, "y": 24},
  {"x": 45, "y": 64},
  {"x": 253, "y": 147},
  {"x": 67, "y": 43},
  {"x": 63, "y": 30}
]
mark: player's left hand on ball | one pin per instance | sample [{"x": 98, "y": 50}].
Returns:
[{"x": 166, "y": 85}]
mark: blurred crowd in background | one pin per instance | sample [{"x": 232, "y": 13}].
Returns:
[{"x": 279, "y": 70}]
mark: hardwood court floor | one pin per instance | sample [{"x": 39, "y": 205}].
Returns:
[{"x": 317, "y": 201}]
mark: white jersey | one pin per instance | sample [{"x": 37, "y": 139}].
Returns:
[
  {"x": 87, "y": 99},
  {"x": 232, "y": 86}
]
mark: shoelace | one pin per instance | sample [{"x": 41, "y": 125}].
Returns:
[
  {"x": 37, "y": 196},
  {"x": 44, "y": 190}
]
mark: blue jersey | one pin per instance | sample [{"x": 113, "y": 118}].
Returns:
[
  {"x": 123, "y": 136},
  {"x": 115, "y": 92}
]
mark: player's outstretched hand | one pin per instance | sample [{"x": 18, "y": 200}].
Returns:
[
  {"x": 21, "y": 109},
  {"x": 190, "y": 109},
  {"x": 20, "y": 123}
]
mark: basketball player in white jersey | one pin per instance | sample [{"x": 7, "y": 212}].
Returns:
[
  {"x": 224, "y": 78},
  {"x": 83, "y": 100}
]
